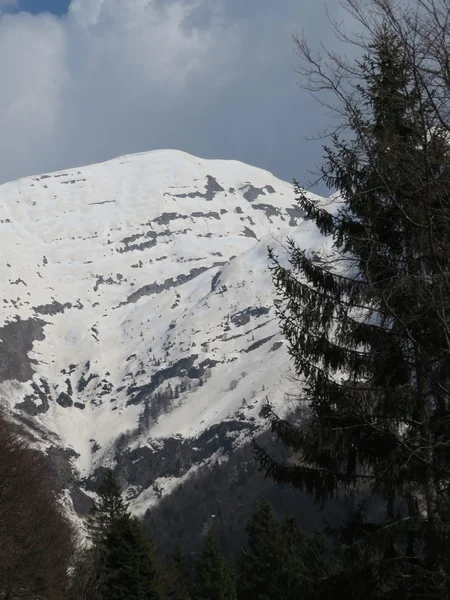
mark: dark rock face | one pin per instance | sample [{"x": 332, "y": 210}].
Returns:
[
  {"x": 29, "y": 406},
  {"x": 243, "y": 316},
  {"x": 259, "y": 343},
  {"x": 249, "y": 233},
  {"x": 82, "y": 503},
  {"x": 17, "y": 340},
  {"x": 252, "y": 193},
  {"x": 270, "y": 211},
  {"x": 296, "y": 214},
  {"x": 130, "y": 246},
  {"x": 212, "y": 188},
  {"x": 166, "y": 218},
  {"x": 215, "y": 280},
  {"x": 64, "y": 400},
  {"x": 38, "y": 402},
  {"x": 172, "y": 457},
  {"x": 276, "y": 346},
  {"x": 52, "y": 309},
  {"x": 158, "y": 288},
  {"x": 104, "y": 202},
  {"x": 178, "y": 369},
  {"x": 209, "y": 215}
]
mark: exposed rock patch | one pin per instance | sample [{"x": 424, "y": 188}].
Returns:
[
  {"x": 252, "y": 193},
  {"x": 212, "y": 188},
  {"x": 158, "y": 288},
  {"x": 243, "y": 316},
  {"x": 17, "y": 339}
]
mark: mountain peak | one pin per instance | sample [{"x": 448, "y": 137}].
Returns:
[{"x": 137, "y": 305}]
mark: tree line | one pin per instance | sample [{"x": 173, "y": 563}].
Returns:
[
  {"x": 120, "y": 561},
  {"x": 368, "y": 331}
]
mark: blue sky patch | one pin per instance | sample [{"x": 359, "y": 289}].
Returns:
[{"x": 57, "y": 7}]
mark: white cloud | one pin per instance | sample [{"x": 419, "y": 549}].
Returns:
[
  {"x": 207, "y": 76},
  {"x": 7, "y": 5},
  {"x": 33, "y": 75}
]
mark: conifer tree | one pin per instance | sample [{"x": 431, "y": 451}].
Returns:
[
  {"x": 88, "y": 569},
  {"x": 121, "y": 563},
  {"x": 130, "y": 569},
  {"x": 368, "y": 331},
  {"x": 280, "y": 560},
  {"x": 214, "y": 578},
  {"x": 109, "y": 507},
  {"x": 258, "y": 563},
  {"x": 179, "y": 575}
]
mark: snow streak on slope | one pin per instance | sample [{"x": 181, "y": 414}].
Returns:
[{"x": 136, "y": 300}]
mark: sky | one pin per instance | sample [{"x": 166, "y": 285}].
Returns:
[{"x": 88, "y": 80}]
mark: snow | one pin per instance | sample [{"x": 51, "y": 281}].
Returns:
[{"x": 153, "y": 258}]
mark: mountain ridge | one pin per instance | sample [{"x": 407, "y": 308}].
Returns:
[{"x": 138, "y": 310}]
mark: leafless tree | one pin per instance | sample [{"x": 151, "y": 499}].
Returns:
[{"x": 35, "y": 538}]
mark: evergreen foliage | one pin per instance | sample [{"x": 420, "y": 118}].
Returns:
[
  {"x": 280, "y": 560},
  {"x": 368, "y": 330},
  {"x": 179, "y": 575},
  {"x": 121, "y": 563},
  {"x": 214, "y": 577},
  {"x": 130, "y": 572},
  {"x": 109, "y": 507}
]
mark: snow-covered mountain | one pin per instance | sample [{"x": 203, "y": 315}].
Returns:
[{"x": 137, "y": 324}]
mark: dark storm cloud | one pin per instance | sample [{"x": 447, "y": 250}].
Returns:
[{"x": 212, "y": 78}]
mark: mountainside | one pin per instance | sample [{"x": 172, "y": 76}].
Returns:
[{"x": 138, "y": 329}]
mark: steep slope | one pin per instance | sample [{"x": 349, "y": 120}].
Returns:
[{"x": 137, "y": 311}]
